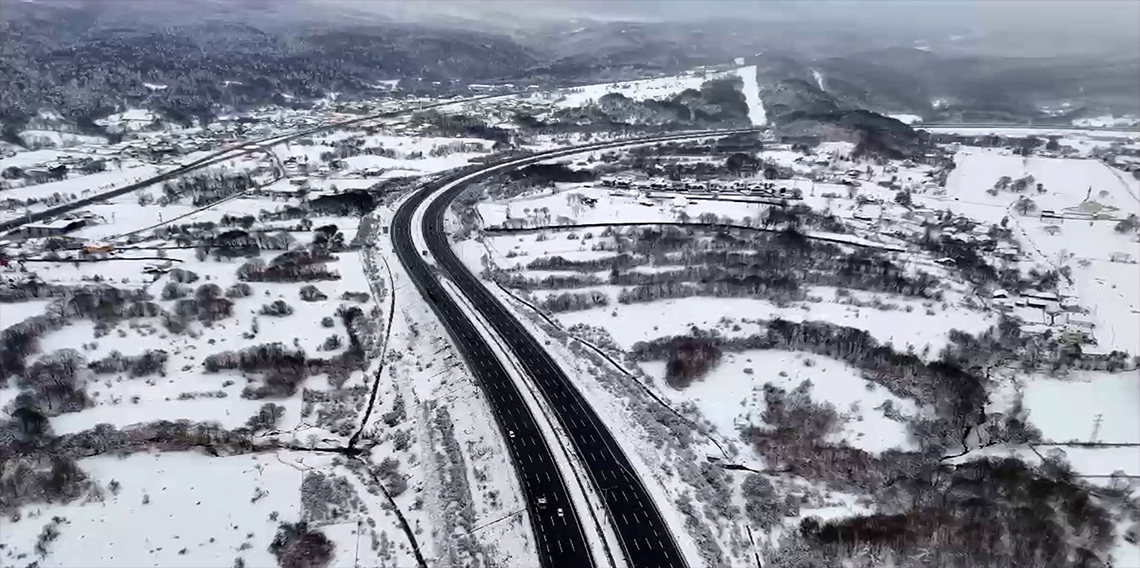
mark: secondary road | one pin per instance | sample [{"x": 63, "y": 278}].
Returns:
[
  {"x": 227, "y": 153},
  {"x": 644, "y": 536}
]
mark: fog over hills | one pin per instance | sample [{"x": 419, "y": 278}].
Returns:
[{"x": 991, "y": 60}]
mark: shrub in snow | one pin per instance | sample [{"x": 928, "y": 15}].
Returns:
[
  {"x": 54, "y": 382},
  {"x": 22, "y": 339},
  {"x": 401, "y": 439},
  {"x": 277, "y": 309},
  {"x": 174, "y": 291},
  {"x": 360, "y": 297},
  {"x": 266, "y": 418},
  {"x": 28, "y": 480},
  {"x": 108, "y": 304},
  {"x": 761, "y": 504},
  {"x": 297, "y": 546},
  {"x": 297, "y": 265},
  {"x": 455, "y": 489},
  {"x": 183, "y": 276},
  {"x": 398, "y": 413},
  {"x": 206, "y": 310},
  {"x": 327, "y": 321},
  {"x": 310, "y": 293},
  {"x": 1129, "y": 224},
  {"x": 570, "y": 301},
  {"x": 332, "y": 343},
  {"x": 796, "y": 414},
  {"x": 336, "y": 410},
  {"x": 239, "y": 290},
  {"x": 709, "y": 550},
  {"x": 27, "y": 426},
  {"x": 326, "y": 497},
  {"x": 690, "y": 360},
  {"x": 48, "y": 535},
  {"x": 389, "y": 473}
]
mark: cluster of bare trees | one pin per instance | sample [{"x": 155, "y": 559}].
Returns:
[
  {"x": 297, "y": 545},
  {"x": 298, "y": 265},
  {"x": 152, "y": 361},
  {"x": 571, "y": 301},
  {"x": 204, "y": 188},
  {"x": 690, "y": 359},
  {"x": 988, "y": 512}
]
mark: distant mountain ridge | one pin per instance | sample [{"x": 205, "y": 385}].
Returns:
[{"x": 86, "y": 59}]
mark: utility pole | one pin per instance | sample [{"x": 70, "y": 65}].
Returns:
[{"x": 1096, "y": 428}]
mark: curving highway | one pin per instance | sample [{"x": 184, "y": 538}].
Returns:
[
  {"x": 645, "y": 538},
  {"x": 560, "y": 540}
]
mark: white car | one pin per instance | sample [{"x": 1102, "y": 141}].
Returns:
[
  {"x": 511, "y": 433},
  {"x": 542, "y": 502},
  {"x": 560, "y": 513}
]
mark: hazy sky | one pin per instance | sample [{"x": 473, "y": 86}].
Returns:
[{"x": 1045, "y": 22}]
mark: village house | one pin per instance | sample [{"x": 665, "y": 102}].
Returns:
[{"x": 44, "y": 229}]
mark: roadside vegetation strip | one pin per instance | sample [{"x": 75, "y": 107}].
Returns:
[
  {"x": 574, "y": 462},
  {"x": 835, "y": 240},
  {"x": 407, "y": 528},
  {"x": 482, "y": 365},
  {"x": 387, "y": 338}
]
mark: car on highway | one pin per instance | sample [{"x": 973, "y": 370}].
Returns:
[
  {"x": 560, "y": 513},
  {"x": 542, "y": 502}
]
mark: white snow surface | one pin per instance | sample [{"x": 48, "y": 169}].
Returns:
[
  {"x": 193, "y": 499},
  {"x": 752, "y": 94},
  {"x": 640, "y": 90},
  {"x": 1109, "y": 290},
  {"x": 818, "y": 79},
  {"x": 731, "y": 396},
  {"x": 1107, "y": 121},
  {"x": 1067, "y": 408},
  {"x": 56, "y": 139},
  {"x": 907, "y": 118},
  {"x": 647, "y": 321}
]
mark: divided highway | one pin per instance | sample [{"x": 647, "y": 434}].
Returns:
[
  {"x": 643, "y": 534},
  {"x": 560, "y": 540}
]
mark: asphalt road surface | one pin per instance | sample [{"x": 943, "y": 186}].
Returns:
[
  {"x": 559, "y": 538},
  {"x": 643, "y": 534}
]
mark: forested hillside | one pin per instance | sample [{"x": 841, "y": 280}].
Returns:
[{"x": 84, "y": 61}]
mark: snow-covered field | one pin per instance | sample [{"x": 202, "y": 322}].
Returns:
[
  {"x": 1076, "y": 189},
  {"x": 907, "y": 118},
  {"x": 752, "y": 94},
  {"x": 1123, "y": 133},
  {"x": 732, "y": 397},
  {"x": 1068, "y": 408},
  {"x": 643, "y": 89},
  {"x": 631, "y": 323},
  {"x": 664, "y": 87},
  {"x": 182, "y": 509},
  {"x": 1067, "y": 182},
  {"x": 1108, "y": 121},
  {"x": 455, "y": 485},
  {"x": 56, "y": 139},
  {"x": 446, "y": 454}
]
